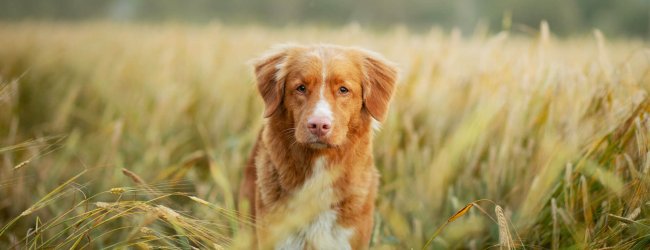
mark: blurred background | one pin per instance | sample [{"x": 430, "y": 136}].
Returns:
[{"x": 620, "y": 17}]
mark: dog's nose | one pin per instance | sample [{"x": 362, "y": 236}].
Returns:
[{"x": 319, "y": 126}]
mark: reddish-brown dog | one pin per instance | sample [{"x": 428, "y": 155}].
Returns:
[{"x": 311, "y": 178}]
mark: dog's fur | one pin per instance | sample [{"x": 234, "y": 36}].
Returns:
[{"x": 315, "y": 187}]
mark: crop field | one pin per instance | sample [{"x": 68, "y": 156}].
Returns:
[{"x": 135, "y": 136}]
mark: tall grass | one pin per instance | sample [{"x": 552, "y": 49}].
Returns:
[{"x": 119, "y": 135}]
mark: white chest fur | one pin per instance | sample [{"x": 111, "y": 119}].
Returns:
[{"x": 323, "y": 231}]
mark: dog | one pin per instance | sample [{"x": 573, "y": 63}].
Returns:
[{"x": 310, "y": 179}]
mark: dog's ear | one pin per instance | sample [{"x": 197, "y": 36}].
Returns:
[
  {"x": 270, "y": 74},
  {"x": 379, "y": 78}
]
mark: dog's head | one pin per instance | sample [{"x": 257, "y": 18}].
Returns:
[{"x": 324, "y": 91}]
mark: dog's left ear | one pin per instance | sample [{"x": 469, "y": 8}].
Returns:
[
  {"x": 379, "y": 78},
  {"x": 270, "y": 73}
]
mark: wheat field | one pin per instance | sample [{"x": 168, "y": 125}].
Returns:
[{"x": 134, "y": 136}]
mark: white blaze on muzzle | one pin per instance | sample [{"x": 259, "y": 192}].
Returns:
[{"x": 323, "y": 108}]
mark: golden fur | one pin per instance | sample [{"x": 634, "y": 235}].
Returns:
[{"x": 288, "y": 159}]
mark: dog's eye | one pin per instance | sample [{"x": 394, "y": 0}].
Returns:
[
  {"x": 343, "y": 90},
  {"x": 301, "y": 88}
]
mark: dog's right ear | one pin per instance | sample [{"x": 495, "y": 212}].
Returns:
[{"x": 270, "y": 72}]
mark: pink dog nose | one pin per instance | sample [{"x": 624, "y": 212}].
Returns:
[{"x": 319, "y": 126}]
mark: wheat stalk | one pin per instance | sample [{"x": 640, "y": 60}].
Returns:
[{"x": 505, "y": 239}]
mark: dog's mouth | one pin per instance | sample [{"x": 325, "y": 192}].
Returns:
[{"x": 318, "y": 143}]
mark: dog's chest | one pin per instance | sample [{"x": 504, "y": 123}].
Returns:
[{"x": 323, "y": 231}]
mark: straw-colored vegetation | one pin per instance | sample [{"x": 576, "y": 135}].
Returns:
[{"x": 135, "y": 136}]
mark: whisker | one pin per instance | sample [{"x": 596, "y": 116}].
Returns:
[{"x": 292, "y": 129}]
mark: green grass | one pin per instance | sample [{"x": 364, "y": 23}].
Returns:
[{"x": 116, "y": 135}]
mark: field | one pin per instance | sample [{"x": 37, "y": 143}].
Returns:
[{"x": 134, "y": 136}]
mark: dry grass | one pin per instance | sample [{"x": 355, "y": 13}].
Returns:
[{"x": 553, "y": 131}]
